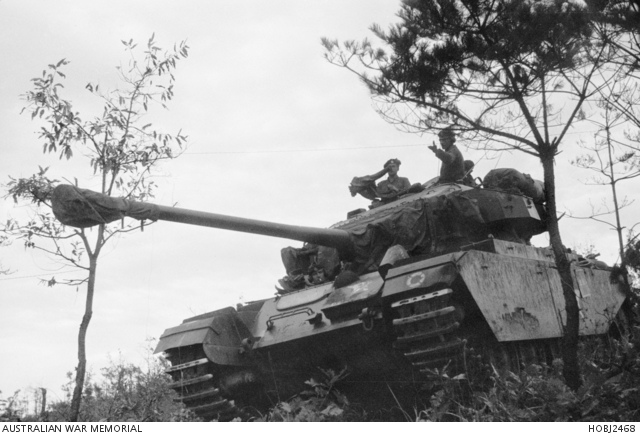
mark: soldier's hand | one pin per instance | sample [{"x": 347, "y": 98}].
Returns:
[{"x": 433, "y": 148}]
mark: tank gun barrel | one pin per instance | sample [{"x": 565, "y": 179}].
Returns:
[
  {"x": 84, "y": 208},
  {"x": 328, "y": 237}
]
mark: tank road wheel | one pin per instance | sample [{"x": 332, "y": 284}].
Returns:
[
  {"x": 426, "y": 327},
  {"x": 196, "y": 383}
]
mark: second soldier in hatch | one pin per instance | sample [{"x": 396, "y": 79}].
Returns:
[{"x": 452, "y": 169}]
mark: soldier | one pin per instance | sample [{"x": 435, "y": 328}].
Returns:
[
  {"x": 468, "y": 176},
  {"x": 387, "y": 189},
  {"x": 452, "y": 169},
  {"x": 394, "y": 183},
  {"x": 315, "y": 276}
]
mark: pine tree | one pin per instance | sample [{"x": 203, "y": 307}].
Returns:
[{"x": 506, "y": 74}]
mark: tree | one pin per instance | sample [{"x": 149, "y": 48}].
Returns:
[
  {"x": 121, "y": 152},
  {"x": 632, "y": 260},
  {"x": 619, "y": 27},
  {"x": 614, "y": 162},
  {"x": 3, "y": 242},
  {"x": 14, "y": 407},
  {"x": 513, "y": 75},
  {"x": 126, "y": 392}
]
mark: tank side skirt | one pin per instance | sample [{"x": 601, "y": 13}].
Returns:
[
  {"x": 513, "y": 294},
  {"x": 598, "y": 300},
  {"x": 522, "y": 299}
]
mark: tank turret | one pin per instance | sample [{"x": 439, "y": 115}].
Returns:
[{"x": 439, "y": 219}]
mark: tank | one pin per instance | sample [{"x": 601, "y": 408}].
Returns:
[{"x": 394, "y": 294}]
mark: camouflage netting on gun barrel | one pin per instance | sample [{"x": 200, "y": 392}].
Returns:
[{"x": 82, "y": 208}]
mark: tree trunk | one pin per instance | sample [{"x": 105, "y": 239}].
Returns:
[
  {"x": 627, "y": 305},
  {"x": 43, "y": 406},
  {"x": 571, "y": 370},
  {"x": 82, "y": 336}
]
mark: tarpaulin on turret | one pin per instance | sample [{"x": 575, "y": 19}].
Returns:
[
  {"x": 82, "y": 208},
  {"x": 405, "y": 226},
  {"x": 425, "y": 225},
  {"x": 512, "y": 180}
]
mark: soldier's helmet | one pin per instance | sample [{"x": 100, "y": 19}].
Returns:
[{"x": 468, "y": 165}]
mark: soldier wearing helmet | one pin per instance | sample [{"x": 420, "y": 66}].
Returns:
[
  {"x": 468, "y": 176},
  {"x": 452, "y": 169}
]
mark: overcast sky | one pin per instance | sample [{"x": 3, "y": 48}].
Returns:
[{"x": 275, "y": 133}]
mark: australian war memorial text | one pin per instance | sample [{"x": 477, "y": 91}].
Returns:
[
  {"x": 71, "y": 428},
  {"x": 32, "y": 428}
]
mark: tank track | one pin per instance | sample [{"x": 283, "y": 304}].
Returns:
[
  {"x": 427, "y": 334},
  {"x": 194, "y": 380},
  {"x": 426, "y": 327},
  {"x": 516, "y": 356}
]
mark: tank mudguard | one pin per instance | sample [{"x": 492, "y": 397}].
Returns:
[
  {"x": 221, "y": 334},
  {"x": 350, "y": 300},
  {"x": 430, "y": 274},
  {"x": 522, "y": 299},
  {"x": 315, "y": 311}
]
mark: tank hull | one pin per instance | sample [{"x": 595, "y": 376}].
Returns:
[{"x": 388, "y": 332}]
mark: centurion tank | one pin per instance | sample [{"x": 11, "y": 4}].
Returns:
[{"x": 392, "y": 293}]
